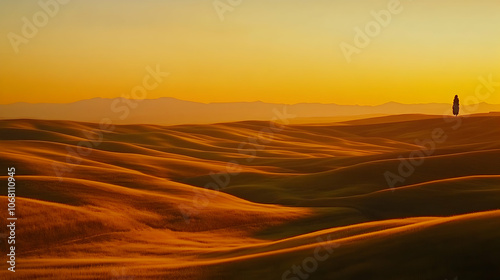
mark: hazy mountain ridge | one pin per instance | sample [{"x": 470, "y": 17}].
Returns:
[{"x": 172, "y": 111}]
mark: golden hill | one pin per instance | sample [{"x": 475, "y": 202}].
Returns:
[{"x": 249, "y": 200}]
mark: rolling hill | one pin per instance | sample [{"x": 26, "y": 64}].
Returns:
[{"x": 256, "y": 200}]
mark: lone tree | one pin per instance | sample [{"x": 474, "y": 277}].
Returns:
[{"x": 456, "y": 106}]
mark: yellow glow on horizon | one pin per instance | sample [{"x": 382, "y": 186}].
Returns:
[{"x": 273, "y": 52}]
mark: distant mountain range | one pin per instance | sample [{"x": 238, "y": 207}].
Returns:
[{"x": 171, "y": 111}]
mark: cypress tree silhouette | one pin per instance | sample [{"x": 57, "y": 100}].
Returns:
[{"x": 456, "y": 106}]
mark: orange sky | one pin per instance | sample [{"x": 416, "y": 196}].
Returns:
[{"x": 286, "y": 51}]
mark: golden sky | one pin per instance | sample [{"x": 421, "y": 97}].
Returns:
[{"x": 273, "y": 51}]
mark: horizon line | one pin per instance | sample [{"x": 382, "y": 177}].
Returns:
[{"x": 228, "y": 102}]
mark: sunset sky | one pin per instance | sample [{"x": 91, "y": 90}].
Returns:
[{"x": 273, "y": 51}]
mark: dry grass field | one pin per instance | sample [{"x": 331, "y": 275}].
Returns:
[{"x": 251, "y": 200}]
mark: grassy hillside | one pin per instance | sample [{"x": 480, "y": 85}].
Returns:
[{"x": 248, "y": 200}]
